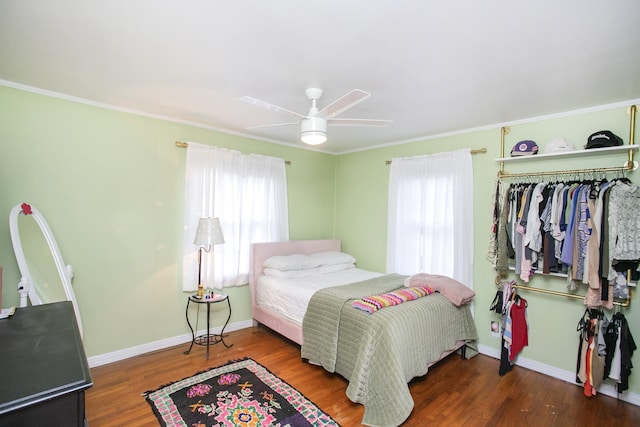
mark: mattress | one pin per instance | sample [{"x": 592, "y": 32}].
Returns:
[{"x": 290, "y": 297}]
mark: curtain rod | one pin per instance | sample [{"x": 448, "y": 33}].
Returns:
[
  {"x": 476, "y": 151},
  {"x": 185, "y": 145}
]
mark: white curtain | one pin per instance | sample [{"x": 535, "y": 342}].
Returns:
[
  {"x": 248, "y": 193},
  {"x": 430, "y": 220}
]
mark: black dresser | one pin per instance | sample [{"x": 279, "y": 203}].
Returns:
[{"x": 43, "y": 368}]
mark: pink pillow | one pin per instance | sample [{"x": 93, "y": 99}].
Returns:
[{"x": 450, "y": 288}]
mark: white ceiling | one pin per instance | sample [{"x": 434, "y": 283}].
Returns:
[{"x": 432, "y": 67}]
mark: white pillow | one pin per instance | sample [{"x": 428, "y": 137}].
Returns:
[
  {"x": 290, "y": 262},
  {"x": 332, "y": 268},
  {"x": 332, "y": 257},
  {"x": 292, "y": 274}
]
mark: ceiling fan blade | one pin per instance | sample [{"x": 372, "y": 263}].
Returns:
[
  {"x": 264, "y": 104},
  {"x": 273, "y": 125},
  {"x": 359, "y": 122},
  {"x": 342, "y": 104}
]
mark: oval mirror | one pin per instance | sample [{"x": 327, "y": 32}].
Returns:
[{"x": 44, "y": 276}]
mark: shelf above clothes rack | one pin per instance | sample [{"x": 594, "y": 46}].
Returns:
[
  {"x": 572, "y": 154},
  {"x": 628, "y": 166}
]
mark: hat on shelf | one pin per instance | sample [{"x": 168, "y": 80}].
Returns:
[
  {"x": 524, "y": 148},
  {"x": 602, "y": 139},
  {"x": 558, "y": 145}
]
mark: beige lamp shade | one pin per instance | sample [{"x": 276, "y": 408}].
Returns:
[{"x": 209, "y": 232}]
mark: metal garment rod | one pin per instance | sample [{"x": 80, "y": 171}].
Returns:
[
  {"x": 626, "y": 302},
  {"x": 625, "y": 168},
  {"x": 185, "y": 145}
]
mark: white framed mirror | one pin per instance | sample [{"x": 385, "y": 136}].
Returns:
[{"x": 44, "y": 276}]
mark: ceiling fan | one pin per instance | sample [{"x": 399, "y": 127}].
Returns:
[{"x": 313, "y": 125}]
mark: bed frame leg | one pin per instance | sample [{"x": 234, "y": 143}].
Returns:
[{"x": 463, "y": 352}]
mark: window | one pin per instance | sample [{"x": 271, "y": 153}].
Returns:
[
  {"x": 248, "y": 193},
  {"x": 430, "y": 221}
]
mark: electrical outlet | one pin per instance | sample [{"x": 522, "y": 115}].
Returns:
[{"x": 495, "y": 329}]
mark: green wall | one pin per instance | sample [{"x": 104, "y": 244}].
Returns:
[
  {"x": 361, "y": 203},
  {"x": 110, "y": 185}
]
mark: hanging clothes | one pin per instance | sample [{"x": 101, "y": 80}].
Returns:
[
  {"x": 509, "y": 291},
  {"x": 604, "y": 351},
  {"x": 624, "y": 235},
  {"x": 624, "y": 225},
  {"x": 590, "y": 366},
  {"x": 532, "y": 238},
  {"x": 558, "y": 225},
  {"x": 587, "y": 229},
  {"x": 515, "y": 331},
  {"x": 620, "y": 346},
  {"x": 519, "y": 327},
  {"x": 548, "y": 248}
]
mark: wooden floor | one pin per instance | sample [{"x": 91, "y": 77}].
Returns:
[{"x": 453, "y": 393}]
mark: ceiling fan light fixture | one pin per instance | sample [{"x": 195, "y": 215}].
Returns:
[
  {"x": 313, "y": 125},
  {"x": 314, "y": 130},
  {"x": 314, "y": 137}
]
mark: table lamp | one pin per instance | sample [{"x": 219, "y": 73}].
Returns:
[{"x": 209, "y": 233}]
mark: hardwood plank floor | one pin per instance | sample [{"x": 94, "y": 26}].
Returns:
[{"x": 453, "y": 393}]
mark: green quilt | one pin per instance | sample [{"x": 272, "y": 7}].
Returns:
[{"x": 380, "y": 353}]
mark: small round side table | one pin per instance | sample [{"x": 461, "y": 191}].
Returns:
[{"x": 208, "y": 338}]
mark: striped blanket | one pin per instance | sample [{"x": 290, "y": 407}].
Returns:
[{"x": 374, "y": 303}]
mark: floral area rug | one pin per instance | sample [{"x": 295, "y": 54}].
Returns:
[{"x": 241, "y": 393}]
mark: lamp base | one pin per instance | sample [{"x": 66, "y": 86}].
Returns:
[{"x": 200, "y": 293}]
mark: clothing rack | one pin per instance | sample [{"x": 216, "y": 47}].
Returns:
[
  {"x": 626, "y": 302},
  {"x": 629, "y": 165}
]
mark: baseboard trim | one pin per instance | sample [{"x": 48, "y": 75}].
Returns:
[
  {"x": 126, "y": 353},
  {"x": 561, "y": 374}
]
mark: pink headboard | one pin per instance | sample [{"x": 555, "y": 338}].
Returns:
[{"x": 261, "y": 251}]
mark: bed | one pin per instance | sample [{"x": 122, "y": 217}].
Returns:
[
  {"x": 260, "y": 252},
  {"x": 377, "y": 353}
]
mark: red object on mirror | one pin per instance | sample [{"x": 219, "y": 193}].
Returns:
[{"x": 26, "y": 208}]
